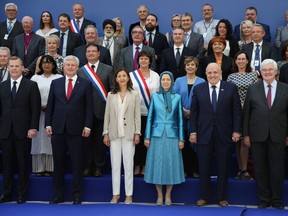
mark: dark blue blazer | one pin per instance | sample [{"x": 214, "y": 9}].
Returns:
[
  {"x": 70, "y": 116},
  {"x": 226, "y": 119}
]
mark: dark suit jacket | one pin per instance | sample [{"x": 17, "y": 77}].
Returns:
[
  {"x": 284, "y": 74},
  {"x": 69, "y": 116},
  {"x": 16, "y": 30},
  {"x": 267, "y": 37},
  {"x": 196, "y": 43},
  {"x": 36, "y": 48},
  {"x": 126, "y": 57},
  {"x": 227, "y": 117},
  {"x": 105, "y": 73},
  {"x": 85, "y": 23},
  {"x": 267, "y": 51},
  {"x": 74, "y": 40},
  {"x": 105, "y": 57},
  {"x": 24, "y": 113},
  {"x": 159, "y": 44},
  {"x": 259, "y": 121}
]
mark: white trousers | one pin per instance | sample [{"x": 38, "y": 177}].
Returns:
[{"x": 118, "y": 148}]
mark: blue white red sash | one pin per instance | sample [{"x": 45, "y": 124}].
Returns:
[
  {"x": 74, "y": 28},
  {"x": 144, "y": 90},
  {"x": 97, "y": 83}
]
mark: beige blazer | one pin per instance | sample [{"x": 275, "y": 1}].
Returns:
[{"x": 132, "y": 116}]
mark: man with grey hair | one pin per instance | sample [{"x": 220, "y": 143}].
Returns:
[
  {"x": 4, "y": 59},
  {"x": 68, "y": 120},
  {"x": 28, "y": 46},
  {"x": 265, "y": 126},
  {"x": 11, "y": 27},
  {"x": 91, "y": 36}
]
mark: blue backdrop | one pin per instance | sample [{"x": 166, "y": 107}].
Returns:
[{"x": 270, "y": 12}]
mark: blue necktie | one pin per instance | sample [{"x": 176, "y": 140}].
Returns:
[
  {"x": 214, "y": 98},
  {"x": 14, "y": 90},
  {"x": 257, "y": 58},
  {"x": 9, "y": 28}
]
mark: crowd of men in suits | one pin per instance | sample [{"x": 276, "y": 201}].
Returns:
[{"x": 70, "y": 118}]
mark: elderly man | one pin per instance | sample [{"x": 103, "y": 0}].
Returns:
[
  {"x": 215, "y": 117},
  {"x": 69, "y": 119},
  {"x": 4, "y": 59},
  {"x": 28, "y": 46},
  {"x": 265, "y": 129},
  {"x": 207, "y": 26},
  {"x": 11, "y": 27},
  {"x": 79, "y": 22},
  {"x": 20, "y": 106},
  {"x": 91, "y": 36}
]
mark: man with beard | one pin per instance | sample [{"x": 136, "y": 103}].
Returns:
[
  {"x": 155, "y": 39},
  {"x": 111, "y": 42}
]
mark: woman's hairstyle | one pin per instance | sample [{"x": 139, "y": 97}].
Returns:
[
  {"x": 228, "y": 27},
  {"x": 51, "y": 23},
  {"x": 191, "y": 59},
  {"x": 122, "y": 32},
  {"x": 147, "y": 54},
  {"x": 53, "y": 38},
  {"x": 50, "y": 59},
  {"x": 248, "y": 23},
  {"x": 217, "y": 39},
  {"x": 248, "y": 66},
  {"x": 116, "y": 84},
  {"x": 175, "y": 15},
  {"x": 283, "y": 51}
]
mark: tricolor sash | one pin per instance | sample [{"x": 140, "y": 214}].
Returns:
[
  {"x": 97, "y": 83},
  {"x": 74, "y": 28},
  {"x": 144, "y": 90}
]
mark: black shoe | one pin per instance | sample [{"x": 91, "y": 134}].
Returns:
[
  {"x": 277, "y": 205},
  {"x": 21, "y": 200},
  {"x": 263, "y": 204},
  {"x": 5, "y": 198},
  {"x": 77, "y": 201},
  {"x": 57, "y": 200}
]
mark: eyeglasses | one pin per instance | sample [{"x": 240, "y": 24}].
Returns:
[
  {"x": 137, "y": 32},
  {"x": 10, "y": 10}
]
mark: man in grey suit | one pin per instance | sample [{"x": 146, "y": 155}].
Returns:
[
  {"x": 282, "y": 33},
  {"x": 265, "y": 129},
  {"x": 28, "y": 46},
  {"x": 101, "y": 76},
  {"x": 128, "y": 56}
]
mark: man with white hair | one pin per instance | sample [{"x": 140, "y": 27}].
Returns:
[
  {"x": 265, "y": 129},
  {"x": 4, "y": 60}
]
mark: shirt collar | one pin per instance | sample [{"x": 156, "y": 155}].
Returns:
[
  {"x": 260, "y": 44},
  {"x": 18, "y": 80},
  {"x": 74, "y": 78},
  {"x": 273, "y": 84},
  {"x": 181, "y": 47},
  {"x": 140, "y": 46},
  {"x": 13, "y": 21},
  {"x": 217, "y": 85}
]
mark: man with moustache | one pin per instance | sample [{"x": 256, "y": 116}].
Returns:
[{"x": 155, "y": 39}]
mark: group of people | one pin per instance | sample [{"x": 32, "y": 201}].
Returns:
[{"x": 68, "y": 89}]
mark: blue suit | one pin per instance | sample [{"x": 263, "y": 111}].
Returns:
[{"x": 214, "y": 132}]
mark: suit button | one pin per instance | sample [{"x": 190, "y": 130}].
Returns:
[
  {"x": 124, "y": 124},
  {"x": 124, "y": 118}
]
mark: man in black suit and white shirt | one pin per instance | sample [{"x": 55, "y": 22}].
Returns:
[
  {"x": 20, "y": 106},
  {"x": 79, "y": 22},
  {"x": 11, "y": 27}
]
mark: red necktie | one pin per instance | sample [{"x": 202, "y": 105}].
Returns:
[
  {"x": 69, "y": 89},
  {"x": 269, "y": 96},
  {"x": 135, "y": 63}
]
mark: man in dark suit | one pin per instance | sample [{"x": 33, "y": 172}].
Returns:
[
  {"x": 128, "y": 56},
  {"x": 266, "y": 50},
  {"x": 10, "y": 27},
  {"x": 169, "y": 59},
  {"x": 28, "y": 46},
  {"x": 155, "y": 39},
  {"x": 68, "y": 39},
  {"x": 69, "y": 119},
  {"x": 265, "y": 126},
  {"x": 20, "y": 106},
  {"x": 95, "y": 150},
  {"x": 251, "y": 14},
  {"x": 79, "y": 22},
  {"x": 91, "y": 36},
  {"x": 215, "y": 118}
]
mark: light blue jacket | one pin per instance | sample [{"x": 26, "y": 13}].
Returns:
[{"x": 160, "y": 119}]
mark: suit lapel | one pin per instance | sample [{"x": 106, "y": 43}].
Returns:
[
  {"x": 262, "y": 95},
  {"x": 221, "y": 94},
  {"x": 206, "y": 94},
  {"x": 76, "y": 87},
  {"x": 20, "y": 89}
]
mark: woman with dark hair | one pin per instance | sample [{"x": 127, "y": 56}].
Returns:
[
  {"x": 184, "y": 86},
  {"x": 224, "y": 30},
  {"x": 145, "y": 82},
  {"x": 164, "y": 139},
  {"x": 284, "y": 57},
  {"x": 175, "y": 23},
  {"x": 46, "y": 25},
  {"x": 243, "y": 78},
  {"x": 218, "y": 44},
  {"x": 41, "y": 150},
  {"x": 121, "y": 131}
]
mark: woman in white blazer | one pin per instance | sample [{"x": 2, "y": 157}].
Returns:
[{"x": 122, "y": 126}]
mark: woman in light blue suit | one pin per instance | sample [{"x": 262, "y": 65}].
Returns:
[
  {"x": 184, "y": 86},
  {"x": 164, "y": 139}
]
